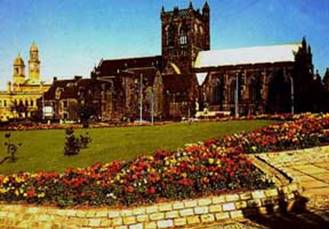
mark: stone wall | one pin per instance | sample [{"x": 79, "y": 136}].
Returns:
[{"x": 162, "y": 215}]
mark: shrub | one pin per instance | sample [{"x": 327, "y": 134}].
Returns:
[
  {"x": 73, "y": 145},
  {"x": 11, "y": 147}
]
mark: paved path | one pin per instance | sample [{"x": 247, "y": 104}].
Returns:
[{"x": 311, "y": 170}]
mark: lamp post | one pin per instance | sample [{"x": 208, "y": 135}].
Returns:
[
  {"x": 141, "y": 99},
  {"x": 236, "y": 100},
  {"x": 152, "y": 107},
  {"x": 292, "y": 95}
]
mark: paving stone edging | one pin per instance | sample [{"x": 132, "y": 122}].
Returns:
[{"x": 162, "y": 215}]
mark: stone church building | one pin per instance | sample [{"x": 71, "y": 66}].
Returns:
[{"x": 188, "y": 77}]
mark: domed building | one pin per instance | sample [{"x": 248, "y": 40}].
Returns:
[{"x": 19, "y": 100}]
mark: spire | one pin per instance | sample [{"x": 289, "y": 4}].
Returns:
[
  {"x": 304, "y": 42},
  {"x": 309, "y": 50},
  {"x": 205, "y": 6},
  {"x": 191, "y": 5},
  {"x": 162, "y": 9},
  {"x": 205, "y": 9},
  {"x": 34, "y": 47}
]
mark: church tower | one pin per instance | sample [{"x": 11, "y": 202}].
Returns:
[
  {"x": 34, "y": 64},
  {"x": 19, "y": 70},
  {"x": 185, "y": 32}
]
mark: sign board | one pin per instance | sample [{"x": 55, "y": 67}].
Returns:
[{"x": 48, "y": 111}]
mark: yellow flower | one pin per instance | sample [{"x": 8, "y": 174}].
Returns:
[
  {"x": 211, "y": 161},
  {"x": 5, "y": 180},
  {"x": 41, "y": 195}
]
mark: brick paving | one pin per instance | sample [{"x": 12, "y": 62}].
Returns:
[{"x": 310, "y": 167}]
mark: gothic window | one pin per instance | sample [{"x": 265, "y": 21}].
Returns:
[
  {"x": 201, "y": 30},
  {"x": 232, "y": 91},
  {"x": 254, "y": 90},
  {"x": 65, "y": 104},
  {"x": 171, "y": 35},
  {"x": 218, "y": 93},
  {"x": 183, "y": 35}
]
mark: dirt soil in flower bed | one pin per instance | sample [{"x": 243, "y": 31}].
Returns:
[{"x": 211, "y": 167}]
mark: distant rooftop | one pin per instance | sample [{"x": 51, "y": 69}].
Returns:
[{"x": 249, "y": 55}]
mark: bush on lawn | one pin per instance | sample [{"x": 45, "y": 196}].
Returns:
[{"x": 73, "y": 145}]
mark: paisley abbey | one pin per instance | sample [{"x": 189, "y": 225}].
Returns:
[{"x": 190, "y": 79}]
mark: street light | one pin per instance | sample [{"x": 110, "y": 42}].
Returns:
[
  {"x": 141, "y": 99},
  {"x": 292, "y": 95},
  {"x": 237, "y": 96},
  {"x": 152, "y": 107}
]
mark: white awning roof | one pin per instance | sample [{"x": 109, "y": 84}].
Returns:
[{"x": 251, "y": 55}]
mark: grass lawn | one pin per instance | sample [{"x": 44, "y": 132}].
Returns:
[{"x": 44, "y": 149}]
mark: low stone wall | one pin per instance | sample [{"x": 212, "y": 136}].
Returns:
[{"x": 162, "y": 215}]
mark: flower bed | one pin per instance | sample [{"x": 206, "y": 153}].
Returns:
[
  {"x": 212, "y": 167},
  {"x": 304, "y": 131},
  {"x": 43, "y": 126},
  {"x": 186, "y": 173}
]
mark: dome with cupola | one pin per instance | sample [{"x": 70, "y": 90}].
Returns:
[{"x": 19, "y": 61}]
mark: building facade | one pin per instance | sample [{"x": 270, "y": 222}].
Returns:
[
  {"x": 188, "y": 77},
  {"x": 19, "y": 100}
]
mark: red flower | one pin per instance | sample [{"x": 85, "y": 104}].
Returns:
[
  {"x": 31, "y": 192},
  {"x": 151, "y": 190},
  {"x": 185, "y": 182},
  {"x": 130, "y": 189}
]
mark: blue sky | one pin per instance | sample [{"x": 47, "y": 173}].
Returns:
[{"x": 73, "y": 35}]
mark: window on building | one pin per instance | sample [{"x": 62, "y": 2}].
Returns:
[
  {"x": 171, "y": 35},
  {"x": 218, "y": 93},
  {"x": 183, "y": 35},
  {"x": 26, "y": 103},
  {"x": 0, "y": 103},
  {"x": 5, "y": 103},
  {"x": 32, "y": 103},
  {"x": 65, "y": 104},
  {"x": 183, "y": 40}
]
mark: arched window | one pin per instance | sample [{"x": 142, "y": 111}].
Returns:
[
  {"x": 218, "y": 92},
  {"x": 171, "y": 35},
  {"x": 232, "y": 92},
  {"x": 255, "y": 90},
  {"x": 183, "y": 35}
]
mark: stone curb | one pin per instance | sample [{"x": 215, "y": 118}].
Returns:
[{"x": 162, "y": 215}]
